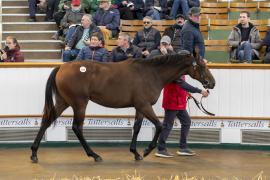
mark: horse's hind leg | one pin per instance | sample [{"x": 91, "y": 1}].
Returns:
[
  {"x": 136, "y": 129},
  {"x": 60, "y": 106},
  {"x": 149, "y": 113},
  {"x": 77, "y": 127}
]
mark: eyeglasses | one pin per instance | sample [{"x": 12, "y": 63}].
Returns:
[
  {"x": 8, "y": 42},
  {"x": 146, "y": 22}
]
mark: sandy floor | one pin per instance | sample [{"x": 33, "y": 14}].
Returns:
[{"x": 118, "y": 162}]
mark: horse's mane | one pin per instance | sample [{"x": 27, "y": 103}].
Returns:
[{"x": 161, "y": 60}]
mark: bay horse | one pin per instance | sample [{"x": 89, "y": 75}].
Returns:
[{"x": 131, "y": 83}]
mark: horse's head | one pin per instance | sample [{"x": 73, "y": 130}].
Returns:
[{"x": 200, "y": 72}]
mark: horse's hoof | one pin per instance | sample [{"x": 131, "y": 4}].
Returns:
[
  {"x": 138, "y": 158},
  {"x": 34, "y": 159},
  {"x": 98, "y": 159},
  {"x": 146, "y": 152}
]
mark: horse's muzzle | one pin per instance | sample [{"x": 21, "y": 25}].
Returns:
[{"x": 208, "y": 85}]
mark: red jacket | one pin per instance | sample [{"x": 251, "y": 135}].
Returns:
[
  {"x": 14, "y": 55},
  {"x": 174, "y": 97}
]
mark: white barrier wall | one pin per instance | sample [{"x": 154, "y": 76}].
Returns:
[{"x": 238, "y": 93}]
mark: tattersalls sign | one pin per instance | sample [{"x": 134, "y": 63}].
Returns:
[{"x": 128, "y": 122}]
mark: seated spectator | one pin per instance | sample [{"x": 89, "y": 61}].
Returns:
[
  {"x": 95, "y": 50},
  {"x": 155, "y": 9},
  {"x": 11, "y": 52},
  {"x": 90, "y": 6},
  {"x": 71, "y": 19},
  {"x": 125, "y": 49},
  {"x": 245, "y": 40},
  {"x": 126, "y": 10},
  {"x": 164, "y": 48},
  {"x": 80, "y": 38},
  {"x": 107, "y": 19},
  {"x": 266, "y": 42},
  {"x": 148, "y": 38},
  {"x": 174, "y": 32},
  {"x": 183, "y": 6}
]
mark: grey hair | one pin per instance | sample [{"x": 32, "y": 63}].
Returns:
[
  {"x": 89, "y": 16},
  {"x": 148, "y": 17},
  {"x": 125, "y": 36}
]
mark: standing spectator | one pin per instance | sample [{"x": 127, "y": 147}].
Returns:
[
  {"x": 95, "y": 50},
  {"x": 174, "y": 32},
  {"x": 32, "y": 10},
  {"x": 80, "y": 38},
  {"x": 164, "y": 48},
  {"x": 52, "y": 7},
  {"x": 107, "y": 19},
  {"x": 174, "y": 103},
  {"x": 266, "y": 42},
  {"x": 71, "y": 19},
  {"x": 184, "y": 6},
  {"x": 245, "y": 40},
  {"x": 148, "y": 38},
  {"x": 11, "y": 52},
  {"x": 191, "y": 35},
  {"x": 125, "y": 49}
]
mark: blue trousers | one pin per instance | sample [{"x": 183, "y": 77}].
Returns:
[
  {"x": 245, "y": 53},
  {"x": 70, "y": 55},
  {"x": 183, "y": 4},
  {"x": 32, "y": 8},
  {"x": 167, "y": 126}
]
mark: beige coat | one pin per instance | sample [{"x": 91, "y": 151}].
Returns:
[{"x": 235, "y": 39}]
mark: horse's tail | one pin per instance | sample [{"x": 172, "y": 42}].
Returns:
[{"x": 49, "y": 112}]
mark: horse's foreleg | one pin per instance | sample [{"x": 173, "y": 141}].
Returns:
[
  {"x": 59, "y": 107},
  {"x": 77, "y": 127},
  {"x": 149, "y": 113},
  {"x": 136, "y": 130}
]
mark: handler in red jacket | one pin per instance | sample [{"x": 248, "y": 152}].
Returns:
[{"x": 174, "y": 104}]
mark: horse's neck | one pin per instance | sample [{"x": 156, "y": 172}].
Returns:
[{"x": 168, "y": 73}]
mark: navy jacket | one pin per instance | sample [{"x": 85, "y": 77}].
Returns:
[
  {"x": 109, "y": 18},
  {"x": 93, "y": 53},
  {"x": 118, "y": 54},
  {"x": 266, "y": 41},
  {"x": 191, "y": 37}
]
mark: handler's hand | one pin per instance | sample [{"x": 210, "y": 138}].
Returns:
[{"x": 204, "y": 93}]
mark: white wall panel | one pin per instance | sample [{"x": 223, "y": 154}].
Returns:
[{"x": 238, "y": 92}]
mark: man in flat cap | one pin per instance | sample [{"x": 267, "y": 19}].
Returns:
[
  {"x": 174, "y": 32},
  {"x": 191, "y": 35}
]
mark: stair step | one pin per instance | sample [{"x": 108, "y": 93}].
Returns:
[
  {"x": 15, "y": 9},
  {"x": 26, "y": 35},
  {"x": 41, "y": 54},
  {"x": 21, "y": 17},
  {"x": 28, "y": 26},
  {"x": 14, "y": 3},
  {"x": 39, "y": 44}
]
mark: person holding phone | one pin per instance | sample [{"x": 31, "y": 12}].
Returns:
[{"x": 11, "y": 52}]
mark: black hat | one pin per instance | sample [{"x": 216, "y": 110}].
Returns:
[{"x": 179, "y": 16}]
